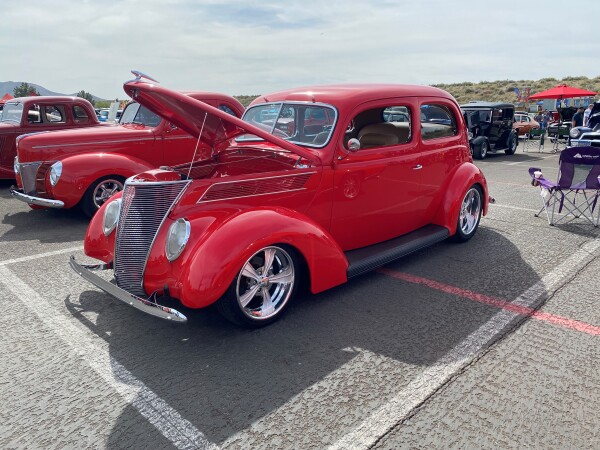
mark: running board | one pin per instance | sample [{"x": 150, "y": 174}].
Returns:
[{"x": 365, "y": 259}]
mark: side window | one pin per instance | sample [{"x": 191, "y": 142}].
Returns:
[
  {"x": 380, "y": 127},
  {"x": 54, "y": 114},
  {"x": 80, "y": 115},
  {"x": 227, "y": 109},
  {"x": 33, "y": 115},
  {"x": 437, "y": 121}
]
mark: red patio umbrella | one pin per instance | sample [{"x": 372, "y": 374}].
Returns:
[
  {"x": 5, "y": 98},
  {"x": 562, "y": 91}
]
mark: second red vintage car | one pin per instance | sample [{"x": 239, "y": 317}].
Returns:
[
  {"x": 242, "y": 225},
  {"x": 85, "y": 167},
  {"x": 35, "y": 114}
]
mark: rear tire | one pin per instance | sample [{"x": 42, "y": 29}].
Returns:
[
  {"x": 99, "y": 192},
  {"x": 480, "y": 151},
  {"x": 263, "y": 288},
  {"x": 469, "y": 215}
]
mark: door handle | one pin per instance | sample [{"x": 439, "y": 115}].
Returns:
[{"x": 418, "y": 167}]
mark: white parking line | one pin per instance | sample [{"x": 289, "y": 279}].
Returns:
[
  {"x": 498, "y": 205},
  {"x": 95, "y": 352},
  {"x": 41, "y": 255},
  {"x": 432, "y": 379}
]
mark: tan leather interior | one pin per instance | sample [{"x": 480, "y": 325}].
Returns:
[{"x": 385, "y": 133}]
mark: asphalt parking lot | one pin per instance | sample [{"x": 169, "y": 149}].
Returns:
[{"x": 489, "y": 344}]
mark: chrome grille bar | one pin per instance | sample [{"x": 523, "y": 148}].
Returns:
[
  {"x": 143, "y": 210},
  {"x": 28, "y": 172}
]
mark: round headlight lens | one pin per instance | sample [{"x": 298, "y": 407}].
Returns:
[
  {"x": 16, "y": 165},
  {"x": 575, "y": 133},
  {"x": 111, "y": 216},
  {"x": 179, "y": 233},
  {"x": 55, "y": 172}
]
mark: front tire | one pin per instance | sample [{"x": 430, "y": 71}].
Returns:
[
  {"x": 99, "y": 192},
  {"x": 512, "y": 143},
  {"x": 263, "y": 288},
  {"x": 481, "y": 150},
  {"x": 469, "y": 215}
]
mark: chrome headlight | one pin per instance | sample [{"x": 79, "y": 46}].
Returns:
[
  {"x": 16, "y": 165},
  {"x": 111, "y": 216},
  {"x": 575, "y": 133},
  {"x": 179, "y": 233},
  {"x": 55, "y": 172}
]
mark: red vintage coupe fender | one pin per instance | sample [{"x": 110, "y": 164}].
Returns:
[{"x": 386, "y": 172}]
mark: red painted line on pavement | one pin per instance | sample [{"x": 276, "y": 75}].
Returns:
[{"x": 496, "y": 302}]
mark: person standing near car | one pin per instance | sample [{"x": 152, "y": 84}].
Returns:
[
  {"x": 578, "y": 118},
  {"x": 586, "y": 114},
  {"x": 544, "y": 120}
]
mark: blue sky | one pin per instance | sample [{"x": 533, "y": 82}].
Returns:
[{"x": 241, "y": 47}]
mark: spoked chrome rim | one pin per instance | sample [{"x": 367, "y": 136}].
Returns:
[
  {"x": 265, "y": 283},
  {"x": 105, "y": 190},
  {"x": 469, "y": 211}
]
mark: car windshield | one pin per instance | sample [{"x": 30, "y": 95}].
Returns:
[
  {"x": 12, "y": 112},
  {"x": 135, "y": 113},
  {"x": 306, "y": 124}
]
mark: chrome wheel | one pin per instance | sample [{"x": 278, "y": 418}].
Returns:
[
  {"x": 104, "y": 190},
  {"x": 470, "y": 212},
  {"x": 265, "y": 283}
]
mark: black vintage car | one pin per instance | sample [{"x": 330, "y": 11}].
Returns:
[{"x": 491, "y": 128}]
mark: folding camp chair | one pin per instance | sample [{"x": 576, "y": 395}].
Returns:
[
  {"x": 534, "y": 140},
  {"x": 561, "y": 138},
  {"x": 577, "y": 190}
]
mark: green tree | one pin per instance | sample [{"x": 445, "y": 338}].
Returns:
[
  {"x": 87, "y": 96},
  {"x": 25, "y": 90}
]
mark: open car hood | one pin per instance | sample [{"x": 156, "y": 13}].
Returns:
[{"x": 215, "y": 127}]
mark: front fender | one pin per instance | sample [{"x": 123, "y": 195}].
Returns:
[
  {"x": 225, "y": 240},
  {"x": 96, "y": 244},
  {"x": 81, "y": 170},
  {"x": 464, "y": 177}
]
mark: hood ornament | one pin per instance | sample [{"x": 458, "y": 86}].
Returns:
[{"x": 139, "y": 75}]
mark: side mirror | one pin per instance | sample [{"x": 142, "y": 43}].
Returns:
[{"x": 353, "y": 145}]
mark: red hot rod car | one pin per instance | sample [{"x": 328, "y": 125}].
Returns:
[
  {"x": 34, "y": 114},
  {"x": 388, "y": 171},
  {"x": 85, "y": 167}
]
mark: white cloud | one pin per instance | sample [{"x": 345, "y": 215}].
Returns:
[{"x": 241, "y": 47}]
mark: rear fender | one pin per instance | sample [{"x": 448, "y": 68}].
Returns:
[
  {"x": 225, "y": 245},
  {"x": 80, "y": 171},
  {"x": 464, "y": 177}
]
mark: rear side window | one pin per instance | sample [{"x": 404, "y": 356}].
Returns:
[
  {"x": 437, "y": 121},
  {"x": 227, "y": 109},
  {"x": 54, "y": 114},
  {"x": 380, "y": 127},
  {"x": 80, "y": 114}
]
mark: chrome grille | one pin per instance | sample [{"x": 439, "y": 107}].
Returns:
[
  {"x": 28, "y": 173},
  {"x": 143, "y": 210}
]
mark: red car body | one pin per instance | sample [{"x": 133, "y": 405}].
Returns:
[
  {"x": 337, "y": 210},
  {"x": 96, "y": 161},
  {"x": 35, "y": 114}
]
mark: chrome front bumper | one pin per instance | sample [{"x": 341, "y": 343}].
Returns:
[
  {"x": 31, "y": 200},
  {"x": 146, "y": 305}
]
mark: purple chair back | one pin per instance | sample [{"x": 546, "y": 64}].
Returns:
[{"x": 579, "y": 168}]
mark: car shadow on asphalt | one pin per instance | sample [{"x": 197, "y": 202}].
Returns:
[
  {"x": 43, "y": 225},
  {"x": 223, "y": 378}
]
